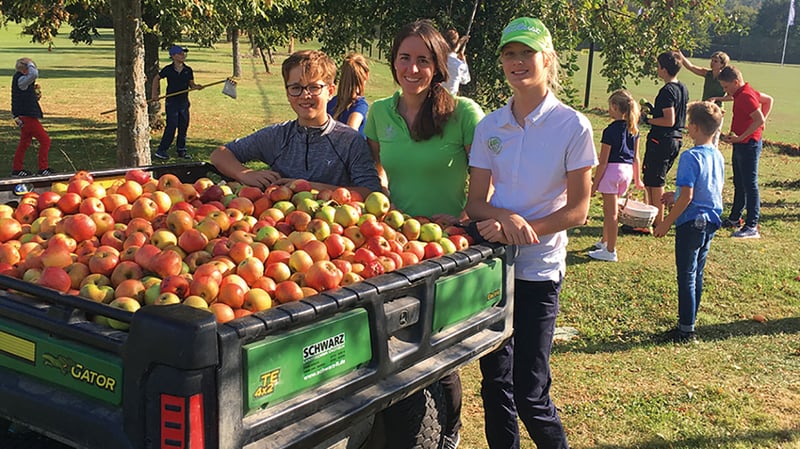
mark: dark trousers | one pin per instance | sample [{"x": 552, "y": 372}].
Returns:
[
  {"x": 516, "y": 377},
  {"x": 177, "y": 120},
  {"x": 692, "y": 243},
  {"x": 451, "y": 384},
  {"x": 744, "y": 161}
]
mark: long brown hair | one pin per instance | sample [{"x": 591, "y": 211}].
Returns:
[
  {"x": 439, "y": 106},
  {"x": 354, "y": 74}
]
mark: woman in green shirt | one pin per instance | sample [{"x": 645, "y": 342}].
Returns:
[
  {"x": 711, "y": 86},
  {"x": 420, "y": 139},
  {"x": 420, "y": 136}
]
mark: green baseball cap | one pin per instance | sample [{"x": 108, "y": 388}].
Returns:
[{"x": 527, "y": 31}]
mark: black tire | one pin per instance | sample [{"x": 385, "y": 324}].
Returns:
[{"x": 417, "y": 421}]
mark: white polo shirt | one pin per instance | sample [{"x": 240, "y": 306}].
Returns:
[{"x": 529, "y": 172}]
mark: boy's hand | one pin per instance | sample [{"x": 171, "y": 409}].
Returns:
[
  {"x": 730, "y": 138},
  {"x": 259, "y": 178},
  {"x": 661, "y": 230},
  {"x": 668, "y": 198}
]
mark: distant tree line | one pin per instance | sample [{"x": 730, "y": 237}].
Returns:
[{"x": 631, "y": 33}]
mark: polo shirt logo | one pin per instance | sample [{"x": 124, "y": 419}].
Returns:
[
  {"x": 495, "y": 145},
  {"x": 389, "y": 132}
]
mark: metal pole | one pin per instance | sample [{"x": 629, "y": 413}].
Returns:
[
  {"x": 589, "y": 75},
  {"x": 789, "y": 19},
  {"x": 472, "y": 17}
]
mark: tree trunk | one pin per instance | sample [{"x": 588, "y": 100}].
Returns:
[
  {"x": 237, "y": 63},
  {"x": 133, "y": 132},
  {"x": 253, "y": 47},
  {"x": 264, "y": 60},
  {"x": 151, "y": 69},
  {"x": 291, "y": 45}
]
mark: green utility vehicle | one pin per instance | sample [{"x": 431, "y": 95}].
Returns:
[{"x": 353, "y": 367}]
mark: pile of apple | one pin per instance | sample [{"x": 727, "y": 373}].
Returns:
[{"x": 227, "y": 248}]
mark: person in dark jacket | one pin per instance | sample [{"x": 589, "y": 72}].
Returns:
[
  {"x": 180, "y": 79},
  {"x": 27, "y": 112}
]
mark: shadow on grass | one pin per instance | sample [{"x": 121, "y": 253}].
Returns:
[
  {"x": 715, "y": 332},
  {"x": 760, "y": 438},
  {"x": 783, "y": 184},
  {"x": 260, "y": 85},
  {"x": 83, "y": 72},
  {"x": 85, "y": 144}
]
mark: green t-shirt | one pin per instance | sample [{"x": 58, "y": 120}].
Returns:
[
  {"x": 425, "y": 177},
  {"x": 712, "y": 87}
]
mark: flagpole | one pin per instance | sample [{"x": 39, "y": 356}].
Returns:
[
  {"x": 789, "y": 22},
  {"x": 785, "y": 36}
]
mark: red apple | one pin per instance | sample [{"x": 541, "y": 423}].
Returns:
[
  {"x": 323, "y": 275},
  {"x": 80, "y": 227},
  {"x": 288, "y": 291},
  {"x": 166, "y": 263}
]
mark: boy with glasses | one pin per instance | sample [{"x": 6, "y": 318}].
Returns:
[{"x": 313, "y": 146}]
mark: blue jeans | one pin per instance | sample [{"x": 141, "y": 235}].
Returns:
[
  {"x": 516, "y": 377},
  {"x": 691, "y": 249},
  {"x": 745, "y": 182},
  {"x": 177, "y": 120}
]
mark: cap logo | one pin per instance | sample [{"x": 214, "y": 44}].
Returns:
[{"x": 521, "y": 27}]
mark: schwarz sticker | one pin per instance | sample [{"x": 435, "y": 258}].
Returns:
[{"x": 323, "y": 347}]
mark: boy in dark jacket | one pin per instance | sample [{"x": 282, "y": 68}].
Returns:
[{"x": 27, "y": 112}]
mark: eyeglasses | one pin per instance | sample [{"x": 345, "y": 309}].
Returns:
[{"x": 295, "y": 90}]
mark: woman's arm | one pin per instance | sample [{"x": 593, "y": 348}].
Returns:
[
  {"x": 505, "y": 226},
  {"x": 376, "y": 155},
  {"x": 573, "y": 213},
  {"x": 699, "y": 71}
]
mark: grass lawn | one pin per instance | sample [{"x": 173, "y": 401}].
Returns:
[{"x": 616, "y": 385}]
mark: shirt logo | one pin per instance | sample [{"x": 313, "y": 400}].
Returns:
[
  {"x": 389, "y": 132},
  {"x": 495, "y": 145}
]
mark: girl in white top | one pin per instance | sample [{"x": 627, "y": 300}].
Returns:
[{"x": 537, "y": 154}]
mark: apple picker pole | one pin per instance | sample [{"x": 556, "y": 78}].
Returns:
[
  {"x": 789, "y": 22},
  {"x": 228, "y": 89}
]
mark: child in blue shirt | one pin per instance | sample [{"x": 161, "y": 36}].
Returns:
[{"x": 696, "y": 211}]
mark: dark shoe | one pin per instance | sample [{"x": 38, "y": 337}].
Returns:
[
  {"x": 46, "y": 172},
  {"x": 20, "y": 173},
  {"x": 183, "y": 154},
  {"x": 746, "y": 233},
  {"x": 680, "y": 337},
  {"x": 728, "y": 223},
  {"x": 160, "y": 155},
  {"x": 451, "y": 441}
]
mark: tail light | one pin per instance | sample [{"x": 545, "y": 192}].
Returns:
[{"x": 182, "y": 423}]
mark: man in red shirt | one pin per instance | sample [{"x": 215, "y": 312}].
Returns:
[{"x": 746, "y": 126}]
